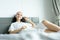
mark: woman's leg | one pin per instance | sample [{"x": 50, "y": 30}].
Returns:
[
  {"x": 48, "y": 31},
  {"x": 51, "y": 26}
]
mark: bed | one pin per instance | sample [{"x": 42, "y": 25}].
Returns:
[{"x": 36, "y": 34}]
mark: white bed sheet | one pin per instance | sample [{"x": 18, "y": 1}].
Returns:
[{"x": 31, "y": 35}]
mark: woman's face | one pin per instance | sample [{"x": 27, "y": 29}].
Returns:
[{"x": 19, "y": 15}]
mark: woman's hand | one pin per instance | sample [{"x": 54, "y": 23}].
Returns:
[
  {"x": 26, "y": 18},
  {"x": 18, "y": 30},
  {"x": 24, "y": 27}
]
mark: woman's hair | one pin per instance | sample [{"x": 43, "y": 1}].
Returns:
[{"x": 22, "y": 20}]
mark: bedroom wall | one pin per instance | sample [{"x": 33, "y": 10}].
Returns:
[
  {"x": 29, "y": 8},
  {"x": 46, "y": 8}
]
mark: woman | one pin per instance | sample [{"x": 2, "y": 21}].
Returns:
[
  {"x": 50, "y": 27},
  {"x": 18, "y": 23}
]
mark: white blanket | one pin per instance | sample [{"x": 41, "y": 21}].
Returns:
[{"x": 31, "y": 35}]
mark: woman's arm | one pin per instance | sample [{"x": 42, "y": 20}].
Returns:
[
  {"x": 18, "y": 30},
  {"x": 27, "y": 19}
]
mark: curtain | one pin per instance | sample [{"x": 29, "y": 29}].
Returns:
[{"x": 56, "y": 6}]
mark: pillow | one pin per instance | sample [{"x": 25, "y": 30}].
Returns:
[{"x": 34, "y": 19}]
